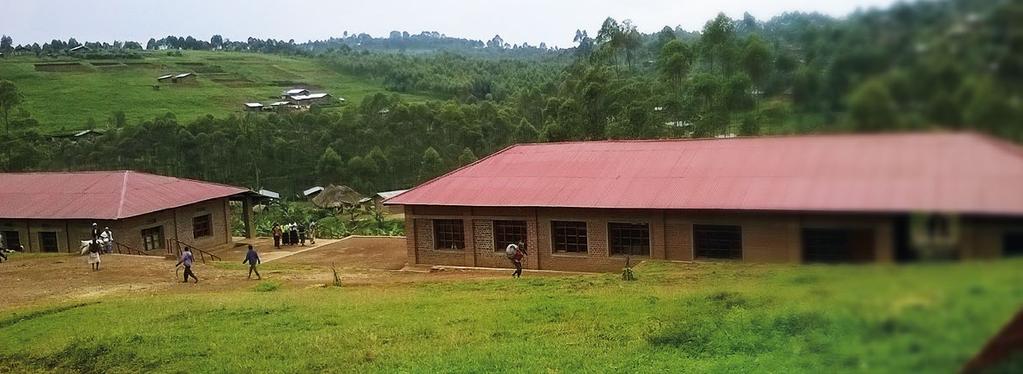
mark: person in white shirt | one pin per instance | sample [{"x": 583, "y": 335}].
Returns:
[{"x": 107, "y": 239}]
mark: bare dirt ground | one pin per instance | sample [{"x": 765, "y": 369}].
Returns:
[
  {"x": 31, "y": 279},
  {"x": 356, "y": 253},
  {"x": 265, "y": 248}
]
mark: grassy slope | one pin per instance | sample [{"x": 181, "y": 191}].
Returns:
[
  {"x": 715, "y": 317},
  {"x": 65, "y": 100}
]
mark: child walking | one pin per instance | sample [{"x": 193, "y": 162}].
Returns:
[{"x": 252, "y": 258}]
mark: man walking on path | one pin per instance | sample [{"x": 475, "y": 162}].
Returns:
[
  {"x": 186, "y": 259},
  {"x": 515, "y": 252},
  {"x": 252, "y": 258}
]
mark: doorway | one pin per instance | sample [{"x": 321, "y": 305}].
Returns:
[
  {"x": 12, "y": 239},
  {"x": 48, "y": 241}
]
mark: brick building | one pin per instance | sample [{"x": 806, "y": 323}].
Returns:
[
  {"x": 52, "y": 212},
  {"x": 795, "y": 199}
]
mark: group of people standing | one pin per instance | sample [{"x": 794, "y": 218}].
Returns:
[{"x": 293, "y": 234}]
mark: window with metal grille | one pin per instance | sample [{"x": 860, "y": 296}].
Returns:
[
  {"x": 201, "y": 226},
  {"x": 631, "y": 239},
  {"x": 568, "y": 236},
  {"x": 448, "y": 234},
  {"x": 718, "y": 241},
  {"x": 508, "y": 232}
]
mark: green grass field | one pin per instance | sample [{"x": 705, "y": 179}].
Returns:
[
  {"x": 675, "y": 318},
  {"x": 63, "y": 94}
]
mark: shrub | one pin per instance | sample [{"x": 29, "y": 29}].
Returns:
[{"x": 268, "y": 286}]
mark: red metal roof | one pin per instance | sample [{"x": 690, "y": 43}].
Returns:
[
  {"x": 931, "y": 172},
  {"x": 99, "y": 195}
]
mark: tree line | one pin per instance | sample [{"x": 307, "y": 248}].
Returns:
[{"x": 935, "y": 64}]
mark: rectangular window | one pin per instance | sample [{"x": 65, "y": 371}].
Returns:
[
  {"x": 12, "y": 239},
  {"x": 717, "y": 241},
  {"x": 508, "y": 232},
  {"x": 48, "y": 241},
  {"x": 201, "y": 226},
  {"x": 152, "y": 238},
  {"x": 569, "y": 236},
  {"x": 448, "y": 234},
  {"x": 631, "y": 239}
]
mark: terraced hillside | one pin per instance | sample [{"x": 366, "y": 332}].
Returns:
[{"x": 64, "y": 94}]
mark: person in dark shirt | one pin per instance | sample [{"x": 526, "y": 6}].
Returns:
[
  {"x": 94, "y": 259},
  {"x": 277, "y": 235},
  {"x": 293, "y": 234},
  {"x": 252, "y": 258}
]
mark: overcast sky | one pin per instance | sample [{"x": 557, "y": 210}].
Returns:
[{"x": 533, "y": 21}]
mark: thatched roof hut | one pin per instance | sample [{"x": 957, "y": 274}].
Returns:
[{"x": 337, "y": 197}]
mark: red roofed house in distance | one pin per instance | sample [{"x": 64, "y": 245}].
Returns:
[
  {"x": 53, "y": 211},
  {"x": 791, "y": 199}
]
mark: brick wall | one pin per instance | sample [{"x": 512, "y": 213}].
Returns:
[
  {"x": 426, "y": 251},
  {"x": 36, "y": 227},
  {"x": 486, "y": 254},
  {"x": 765, "y": 237},
  {"x": 129, "y": 231},
  {"x": 219, "y": 226},
  {"x": 982, "y": 238},
  {"x": 176, "y": 223}
]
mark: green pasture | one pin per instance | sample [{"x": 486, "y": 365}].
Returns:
[{"x": 674, "y": 318}]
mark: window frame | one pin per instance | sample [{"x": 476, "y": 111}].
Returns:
[
  {"x": 720, "y": 229},
  {"x": 197, "y": 232},
  {"x": 571, "y": 247},
  {"x": 634, "y": 226},
  {"x": 453, "y": 237},
  {"x": 157, "y": 244},
  {"x": 502, "y": 236}
]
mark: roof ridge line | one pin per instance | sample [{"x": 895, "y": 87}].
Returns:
[{"x": 124, "y": 190}]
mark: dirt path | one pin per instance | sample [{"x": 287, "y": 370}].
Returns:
[
  {"x": 382, "y": 253},
  {"x": 265, "y": 248},
  {"x": 32, "y": 279}
]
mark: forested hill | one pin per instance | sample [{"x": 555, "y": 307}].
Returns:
[{"x": 922, "y": 65}]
